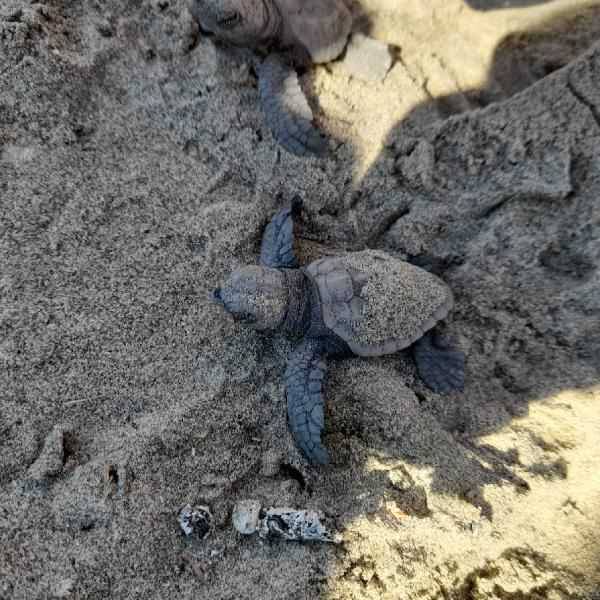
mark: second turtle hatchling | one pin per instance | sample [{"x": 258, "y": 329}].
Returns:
[
  {"x": 289, "y": 33},
  {"x": 365, "y": 303}
]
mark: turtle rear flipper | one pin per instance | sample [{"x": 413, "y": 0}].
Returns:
[
  {"x": 286, "y": 109},
  {"x": 304, "y": 389},
  {"x": 441, "y": 367}
]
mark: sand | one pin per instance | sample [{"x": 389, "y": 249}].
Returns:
[{"x": 136, "y": 172}]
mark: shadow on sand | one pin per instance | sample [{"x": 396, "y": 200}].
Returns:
[
  {"x": 501, "y": 209},
  {"x": 498, "y": 4}
]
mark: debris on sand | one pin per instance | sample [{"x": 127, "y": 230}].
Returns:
[
  {"x": 282, "y": 522},
  {"x": 195, "y": 521}
]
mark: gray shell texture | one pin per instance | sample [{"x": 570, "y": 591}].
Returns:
[
  {"x": 376, "y": 303},
  {"x": 320, "y": 26}
]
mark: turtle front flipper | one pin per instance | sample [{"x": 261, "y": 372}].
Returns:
[
  {"x": 277, "y": 247},
  {"x": 304, "y": 389},
  {"x": 441, "y": 367},
  {"x": 286, "y": 109}
]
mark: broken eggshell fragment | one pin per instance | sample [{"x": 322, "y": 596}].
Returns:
[
  {"x": 301, "y": 525},
  {"x": 282, "y": 522},
  {"x": 195, "y": 521}
]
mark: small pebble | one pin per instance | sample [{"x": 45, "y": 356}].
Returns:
[
  {"x": 367, "y": 59},
  {"x": 246, "y": 516}
]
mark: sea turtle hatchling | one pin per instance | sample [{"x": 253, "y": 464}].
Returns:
[
  {"x": 291, "y": 32},
  {"x": 366, "y": 303}
]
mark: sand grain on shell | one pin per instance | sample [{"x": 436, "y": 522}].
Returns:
[{"x": 396, "y": 305}]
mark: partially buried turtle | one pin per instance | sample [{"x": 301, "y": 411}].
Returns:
[
  {"x": 366, "y": 303},
  {"x": 291, "y": 32}
]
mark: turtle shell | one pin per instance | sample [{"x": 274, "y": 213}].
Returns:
[
  {"x": 320, "y": 26},
  {"x": 378, "y": 304}
]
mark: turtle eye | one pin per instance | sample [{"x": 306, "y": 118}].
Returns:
[{"x": 230, "y": 20}]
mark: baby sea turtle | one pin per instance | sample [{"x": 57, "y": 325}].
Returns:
[
  {"x": 366, "y": 303},
  {"x": 292, "y": 32}
]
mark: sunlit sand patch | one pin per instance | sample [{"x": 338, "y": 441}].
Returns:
[
  {"x": 549, "y": 529},
  {"x": 442, "y": 49}
]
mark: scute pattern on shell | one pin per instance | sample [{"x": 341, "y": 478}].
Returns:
[{"x": 376, "y": 303}]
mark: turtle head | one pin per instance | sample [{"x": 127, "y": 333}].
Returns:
[
  {"x": 240, "y": 22},
  {"x": 255, "y": 296}
]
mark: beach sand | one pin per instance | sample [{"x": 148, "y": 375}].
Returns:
[{"x": 136, "y": 172}]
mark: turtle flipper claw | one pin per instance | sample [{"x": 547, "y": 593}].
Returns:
[
  {"x": 441, "y": 367},
  {"x": 286, "y": 109},
  {"x": 304, "y": 377}
]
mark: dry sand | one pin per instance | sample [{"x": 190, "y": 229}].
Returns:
[{"x": 136, "y": 172}]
